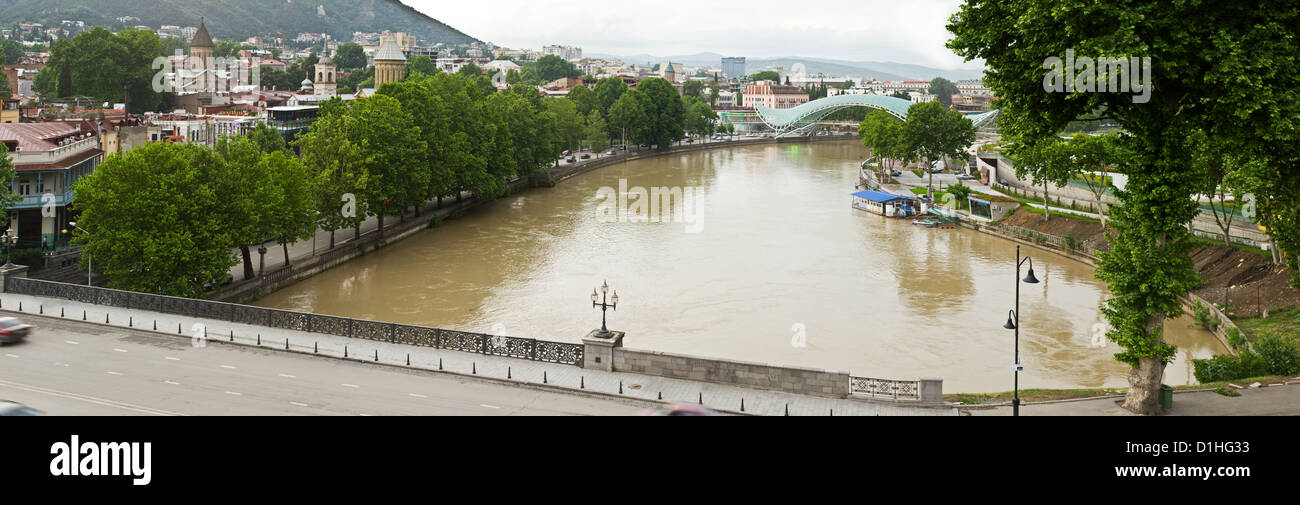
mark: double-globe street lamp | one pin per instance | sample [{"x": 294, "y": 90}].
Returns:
[
  {"x": 10, "y": 239},
  {"x": 1013, "y": 323},
  {"x": 613, "y": 303}
]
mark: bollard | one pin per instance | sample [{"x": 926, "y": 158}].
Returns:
[
  {"x": 440, "y": 363},
  {"x": 543, "y": 376},
  {"x": 582, "y": 382},
  {"x": 620, "y": 387},
  {"x": 286, "y": 343},
  {"x": 42, "y": 310},
  {"x": 787, "y": 410},
  {"x": 155, "y": 325},
  {"x": 475, "y": 369},
  {"x": 61, "y": 312},
  {"x": 345, "y": 351},
  {"x": 508, "y": 373},
  {"x": 661, "y": 395},
  {"x": 832, "y": 412},
  {"x": 376, "y": 354},
  {"x": 701, "y": 398},
  {"x": 105, "y": 318},
  {"x": 130, "y": 322},
  {"x": 178, "y": 328},
  {"x": 259, "y": 338},
  {"x": 83, "y": 314},
  {"x": 408, "y": 359},
  {"x": 315, "y": 347},
  {"x": 232, "y": 335},
  {"x": 742, "y": 404}
]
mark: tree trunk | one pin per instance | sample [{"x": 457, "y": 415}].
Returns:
[
  {"x": 438, "y": 205},
  {"x": 248, "y": 262},
  {"x": 1047, "y": 203},
  {"x": 1144, "y": 387},
  {"x": 381, "y": 224},
  {"x": 286, "y": 254},
  {"x": 331, "y": 239},
  {"x": 356, "y": 232}
]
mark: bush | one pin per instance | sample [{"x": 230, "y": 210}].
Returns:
[
  {"x": 33, "y": 259},
  {"x": 1219, "y": 368},
  {"x": 1280, "y": 356},
  {"x": 1236, "y": 340}
]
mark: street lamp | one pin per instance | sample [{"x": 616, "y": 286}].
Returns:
[
  {"x": 90, "y": 266},
  {"x": 1013, "y": 323},
  {"x": 604, "y": 290},
  {"x": 10, "y": 239}
]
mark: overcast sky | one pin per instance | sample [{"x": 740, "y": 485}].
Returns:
[{"x": 910, "y": 31}]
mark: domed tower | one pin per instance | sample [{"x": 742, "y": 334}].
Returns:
[
  {"x": 201, "y": 46},
  {"x": 307, "y": 87},
  {"x": 390, "y": 63},
  {"x": 326, "y": 83}
]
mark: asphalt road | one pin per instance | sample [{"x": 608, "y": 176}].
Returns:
[{"x": 74, "y": 368}]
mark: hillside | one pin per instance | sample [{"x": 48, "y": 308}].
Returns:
[
  {"x": 240, "y": 19},
  {"x": 881, "y": 70}
]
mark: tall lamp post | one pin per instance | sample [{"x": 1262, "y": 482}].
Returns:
[
  {"x": 604, "y": 290},
  {"x": 90, "y": 267},
  {"x": 10, "y": 239},
  {"x": 1013, "y": 323}
]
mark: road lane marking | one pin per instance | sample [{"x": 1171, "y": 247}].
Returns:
[
  {"x": 364, "y": 415},
  {"x": 119, "y": 350},
  {"x": 113, "y": 373},
  {"x": 70, "y": 342},
  {"x": 234, "y": 393},
  {"x": 351, "y": 386},
  {"x": 228, "y": 366},
  {"x": 11, "y": 355},
  {"x": 484, "y": 405},
  {"x": 89, "y": 399},
  {"x": 173, "y": 383},
  {"x": 169, "y": 358},
  {"x": 416, "y": 395},
  {"x": 298, "y": 404},
  {"x": 287, "y": 376}
]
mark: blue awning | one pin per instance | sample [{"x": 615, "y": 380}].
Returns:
[{"x": 879, "y": 197}]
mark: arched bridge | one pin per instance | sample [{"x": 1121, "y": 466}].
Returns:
[{"x": 798, "y": 120}]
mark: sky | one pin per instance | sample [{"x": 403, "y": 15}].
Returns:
[{"x": 908, "y": 31}]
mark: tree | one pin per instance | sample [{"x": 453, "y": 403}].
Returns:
[
  {"x": 158, "y": 220},
  {"x": 552, "y": 67},
  {"x": 665, "y": 114},
  {"x": 294, "y": 218},
  {"x": 513, "y": 77},
  {"x": 882, "y": 133},
  {"x": 336, "y": 171},
  {"x": 713, "y": 95},
  {"x": 943, "y": 90},
  {"x": 700, "y": 118},
  {"x": 227, "y": 48},
  {"x": 7, "y": 198},
  {"x": 693, "y": 88},
  {"x": 267, "y": 139},
  {"x": 1045, "y": 161},
  {"x": 4, "y": 86},
  {"x": 421, "y": 65},
  {"x": 901, "y": 95},
  {"x": 433, "y": 118},
  {"x": 1223, "y": 175},
  {"x": 470, "y": 70},
  {"x": 596, "y": 132},
  {"x": 394, "y": 151},
  {"x": 932, "y": 132},
  {"x": 960, "y": 192},
  {"x": 250, "y": 193},
  {"x": 766, "y": 75},
  {"x": 350, "y": 56},
  {"x": 1187, "y": 79},
  {"x": 628, "y": 116},
  {"x": 586, "y": 100},
  {"x": 568, "y": 122},
  {"x": 608, "y": 91}
]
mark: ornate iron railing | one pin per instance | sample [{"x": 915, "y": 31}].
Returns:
[
  {"x": 493, "y": 345},
  {"x": 885, "y": 388}
]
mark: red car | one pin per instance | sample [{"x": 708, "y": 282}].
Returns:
[{"x": 12, "y": 330}]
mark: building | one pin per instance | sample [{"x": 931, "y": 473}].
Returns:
[
  {"x": 201, "y": 46},
  {"x": 774, "y": 96},
  {"x": 390, "y": 63},
  {"x": 734, "y": 66},
  {"x": 48, "y": 159},
  {"x": 885, "y": 204},
  {"x": 9, "y": 112},
  {"x": 326, "y": 77},
  {"x": 569, "y": 53}
]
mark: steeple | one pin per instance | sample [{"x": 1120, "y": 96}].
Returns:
[{"x": 201, "y": 37}]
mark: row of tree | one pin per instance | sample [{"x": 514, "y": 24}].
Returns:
[{"x": 930, "y": 133}]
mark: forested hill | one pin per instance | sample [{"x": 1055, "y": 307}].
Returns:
[{"x": 240, "y": 19}]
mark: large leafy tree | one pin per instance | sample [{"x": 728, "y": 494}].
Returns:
[
  {"x": 251, "y": 196},
  {"x": 943, "y": 90},
  {"x": 552, "y": 67},
  {"x": 434, "y": 120},
  {"x": 336, "y": 170},
  {"x": 608, "y": 90},
  {"x": 932, "y": 132},
  {"x": 568, "y": 121},
  {"x": 627, "y": 117},
  {"x": 883, "y": 134},
  {"x": 350, "y": 56},
  {"x": 158, "y": 219},
  {"x": 394, "y": 151},
  {"x": 665, "y": 114},
  {"x": 585, "y": 99},
  {"x": 1198, "y": 55},
  {"x": 294, "y": 218}
]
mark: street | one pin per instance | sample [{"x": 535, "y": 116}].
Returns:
[{"x": 75, "y": 368}]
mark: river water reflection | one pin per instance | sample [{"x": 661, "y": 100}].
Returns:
[{"x": 779, "y": 254}]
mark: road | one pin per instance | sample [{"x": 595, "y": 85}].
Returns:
[{"x": 75, "y": 368}]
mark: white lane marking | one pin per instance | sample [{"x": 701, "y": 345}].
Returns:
[
  {"x": 173, "y": 383},
  {"x": 113, "y": 373},
  {"x": 169, "y": 358},
  {"x": 364, "y": 415},
  {"x": 416, "y": 395},
  {"x": 70, "y": 342},
  {"x": 351, "y": 386},
  {"x": 11, "y": 355},
  {"x": 298, "y": 404},
  {"x": 89, "y": 399},
  {"x": 486, "y": 406},
  {"x": 233, "y": 393},
  {"x": 228, "y": 366},
  {"x": 119, "y": 350},
  {"x": 287, "y": 376}
]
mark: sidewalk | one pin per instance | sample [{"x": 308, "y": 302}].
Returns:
[
  {"x": 1262, "y": 401},
  {"x": 715, "y": 396}
]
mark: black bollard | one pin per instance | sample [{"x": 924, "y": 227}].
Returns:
[
  {"x": 155, "y": 325},
  {"x": 787, "y": 410},
  {"x": 315, "y": 347},
  {"x": 130, "y": 322},
  {"x": 232, "y": 335},
  {"x": 178, "y": 328},
  {"x": 440, "y": 363},
  {"x": 42, "y": 308},
  {"x": 105, "y": 318},
  {"x": 475, "y": 369},
  {"x": 259, "y": 338},
  {"x": 701, "y": 398},
  {"x": 508, "y": 373},
  {"x": 345, "y": 351},
  {"x": 742, "y": 404},
  {"x": 832, "y": 412},
  {"x": 582, "y": 382},
  {"x": 61, "y": 312},
  {"x": 286, "y": 343},
  {"x": 620, "y": 387},
  {"x": 543, "y": 376},
  {"x": 376, "y": 354},
  {"x": 408, "y": 359},
  {"x": 661, "y": 395},
  {"x": 83, "y": 314}
]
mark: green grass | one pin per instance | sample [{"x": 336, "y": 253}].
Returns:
[
  {"x": 919, "y": 191},
  {"x": 918, "y": 173},
  {"x": 1093, "y": 179},
  {"x": 1278, "y": 323}
]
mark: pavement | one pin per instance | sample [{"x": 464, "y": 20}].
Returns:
[
  {"x": 261, "y": 343},
  {"x": 1282, "y": 400}
]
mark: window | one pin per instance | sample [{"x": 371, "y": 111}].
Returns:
[{"x": 24, "y": 187}]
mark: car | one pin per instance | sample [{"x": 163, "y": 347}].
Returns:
[
  {"x": 13, "y": 331},
  {"x": 586, "y": 156},
  {"x": 966, "y": 177},
  {"x": 572, "y": 159},
  {"x": 678, "y": 410},
  {"x": 8, "y": 408},
  {"x": 565, "y": 153},
  {"x": 612, "y": 152}
]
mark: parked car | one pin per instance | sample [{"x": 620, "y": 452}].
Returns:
[
  {"x": 612, "y": 152},
  {"x": 896, "y": 173},
  {"x": 565, "y": 153},
  {"x": 586, "y": 156},
  {"x": 966, "y": 177},
  {"x": 678, "y": 410},
  {"x": 8, "y": 408},
  {"x": 13, "y": 331},
  {"x": 572, "y": 159}
]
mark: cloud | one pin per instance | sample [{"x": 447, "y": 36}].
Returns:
[{"x": 904, "y": 32}]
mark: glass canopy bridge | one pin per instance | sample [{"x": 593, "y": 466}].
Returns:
[{"x": 804, "y": 118}]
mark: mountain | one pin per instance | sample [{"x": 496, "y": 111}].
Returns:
[
  {"x": 881, "y": 70},
  {"x": 240, "y": 19}
]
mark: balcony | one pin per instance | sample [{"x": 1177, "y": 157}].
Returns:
[{"x": 35, "y": 201}]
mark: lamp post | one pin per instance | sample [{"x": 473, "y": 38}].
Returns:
[
  {"x": 90, "y": 266},
  {"x": 604, "y": 290},
  {"x": 1013, "y": 323},
  {"x": 10, "y": 239}
]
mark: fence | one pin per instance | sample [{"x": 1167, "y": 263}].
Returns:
[
  {"x": 523, "y": 348},
  {"x": 886, "y": 388}
]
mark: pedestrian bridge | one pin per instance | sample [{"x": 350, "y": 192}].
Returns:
[{"x": 800, "y": 120}]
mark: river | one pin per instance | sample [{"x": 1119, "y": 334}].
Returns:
[{"x": 778, "y": 268}]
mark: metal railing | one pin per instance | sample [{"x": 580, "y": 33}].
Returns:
[
  {"x": 493, "y": 345},
  {"x": 885, "y": 388}
]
